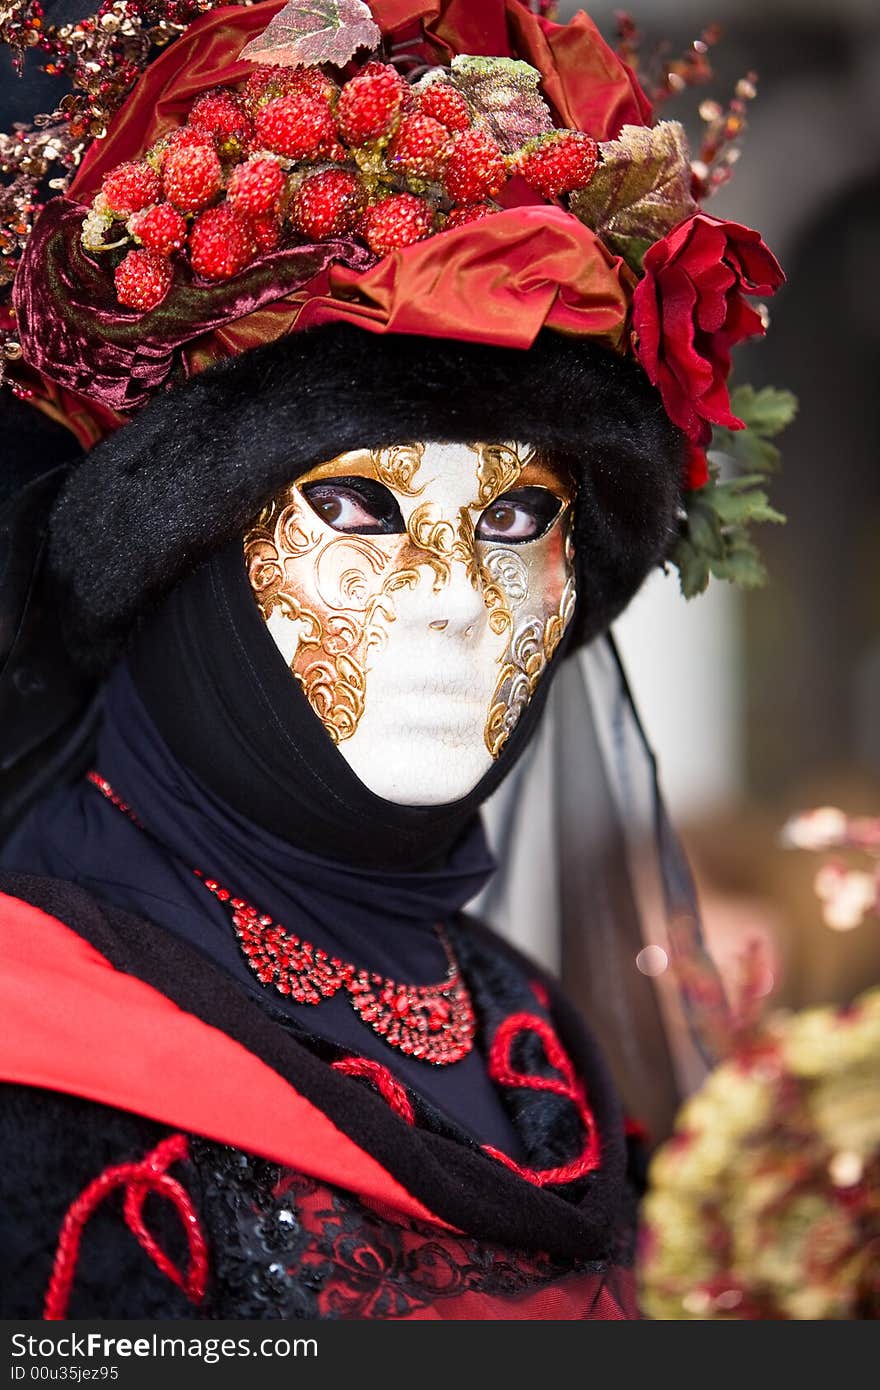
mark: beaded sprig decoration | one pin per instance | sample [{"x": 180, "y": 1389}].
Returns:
[{"x": 433, "y": 1023}]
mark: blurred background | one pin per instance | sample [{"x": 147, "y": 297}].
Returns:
[
  {"x": 759, "y": 705},
  {"x": 762, "y": 704}
]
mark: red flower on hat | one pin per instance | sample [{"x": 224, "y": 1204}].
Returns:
[{"x": 689, "y": 310}]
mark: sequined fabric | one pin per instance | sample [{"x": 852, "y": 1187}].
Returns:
[{"x": 285, "y": 1246}]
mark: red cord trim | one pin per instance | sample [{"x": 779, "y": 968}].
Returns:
[
  {"x": 139, "y": 1180},
  {"x": 389, "y": 1088},
  {"x": 566, "y": 1084}
]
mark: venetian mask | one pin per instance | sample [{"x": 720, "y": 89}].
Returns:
[{"x": 417, "y": 593}]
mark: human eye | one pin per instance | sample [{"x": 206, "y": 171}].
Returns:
[
  {"x": 521, "y": 515},
  {"x": 358, "y": 506}
]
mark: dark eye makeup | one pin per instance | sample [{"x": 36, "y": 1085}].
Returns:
[
  {"x": 365, "y": 507},
  {"x": 523, "y": 514},
  {"x": 355, "y": 505}
]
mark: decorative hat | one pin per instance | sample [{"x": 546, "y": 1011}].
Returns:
[{"x": 470, "y": 172}]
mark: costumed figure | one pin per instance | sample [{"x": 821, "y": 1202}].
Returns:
[{"x": 393, "y": 342}]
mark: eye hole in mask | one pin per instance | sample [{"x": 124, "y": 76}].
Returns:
[
  {"x": 364, "y": 507},
  {"x": 358, "y": 506},
  {"x": 521, "y": 515}
]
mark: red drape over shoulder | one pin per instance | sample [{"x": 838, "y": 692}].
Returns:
[{"x": 73, "y": 1023}]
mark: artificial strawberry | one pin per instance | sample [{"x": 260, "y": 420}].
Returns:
[
  {"x": 265, "y": 84},
  {"x": 191, "y": 177},
  {"x": 314, "y": 83},
  {"x": 368, "y": 104},
  {"x": 375, "y": 68},
  {"x": 221, "y": 243},
  {"x": 268, "y": 82},
  {"x": 185, "y": 137},
  {"x": 475, "y": 167},
  {"x": 296, "y": 126},
  {"x": 335, "y": 151},
  {"x": 559, "y": 162},
  {"x": 418, "y": 146},
  {"x": 255, "y": 188},
  {"x": 445, "y": 104},
  {"x": 396, "y": 222},
  {"x": 220, "y": 115},
  {"x": 161, "y": 229},
  {"x": 143, "y": 279},
  {"x": 469, "y": 212},
  {"x": 267, "y": 232},
  {"x": 131, "y": 187},
  {"x": 328, "y": 204}
]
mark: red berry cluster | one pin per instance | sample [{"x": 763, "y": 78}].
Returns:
[{"x": 294, "y": 153}]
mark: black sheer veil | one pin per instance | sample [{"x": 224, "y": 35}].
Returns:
[{"x": 591, "y": 873}]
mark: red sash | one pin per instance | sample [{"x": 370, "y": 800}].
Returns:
[{"x": 74, "y": 1023}]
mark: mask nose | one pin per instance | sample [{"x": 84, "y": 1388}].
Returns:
[{"x": 455, "y": 606}]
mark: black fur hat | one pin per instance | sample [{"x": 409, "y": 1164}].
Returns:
[{"x": 156, "y": 498}]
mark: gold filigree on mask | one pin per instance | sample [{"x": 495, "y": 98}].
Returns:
[
  {"x": 437, "y": 535},
  {"x": 531, "y": 649},
  {"x": 536, "y": 637},
  {"x": 346, "y": 569},
  {"x": 328, "y": 662},
  {"x": 443, "y": 542},
  {"x": 397, "y": 467},
  {"x": 499, "y": 467},
  {"x": 279, "y": 529},
  {"x": 294, "y": 534}
]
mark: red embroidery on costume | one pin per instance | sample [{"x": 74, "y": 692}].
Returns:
[
  {"x": 139, "y": 1180},
  {"x": 333, "y": 1255},
  {"x": 566, "y": 1084},
  {"x": 389, "y": 1088}
]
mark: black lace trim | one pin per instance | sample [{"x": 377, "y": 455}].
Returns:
[{"x": 285, "y": 1246}]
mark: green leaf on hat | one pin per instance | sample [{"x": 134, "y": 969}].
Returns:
[
  {"x": 505, "y": 98},
  {"x": 766, "y": 412},
  {"x": 692, "y": 566},
  {"x": 715, "y": 534},
  {"x": 747, "y": 449},
  {"x": 640, "y": 190}
]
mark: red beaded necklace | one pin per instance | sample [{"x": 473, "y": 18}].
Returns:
[{"x": 433, "y": 1023}]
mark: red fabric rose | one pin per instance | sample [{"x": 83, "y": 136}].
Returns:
[
  {"x": 689, "y": 311},
  {"x": 696, "y": 467}
]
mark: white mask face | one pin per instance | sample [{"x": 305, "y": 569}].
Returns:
[{"x": 417, "y": 594}]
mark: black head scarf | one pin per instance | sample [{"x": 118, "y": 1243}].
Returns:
[{"x": 224, "y": 701}]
